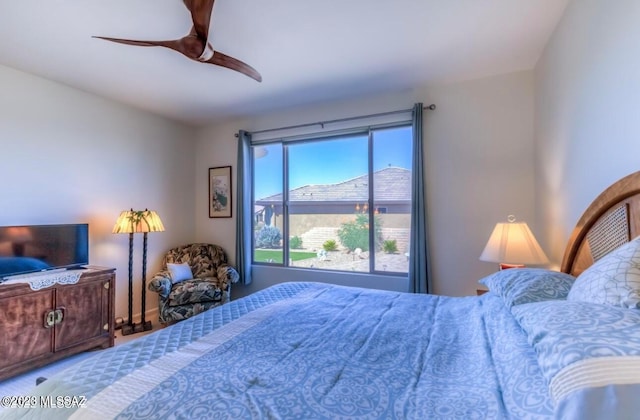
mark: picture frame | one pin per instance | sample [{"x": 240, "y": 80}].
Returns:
[{"x": 220, "y": 193}]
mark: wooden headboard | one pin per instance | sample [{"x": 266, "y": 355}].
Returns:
[{"x": 611, "y": 220}]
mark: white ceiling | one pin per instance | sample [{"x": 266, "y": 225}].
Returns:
[{"x": 307, "y": 51}]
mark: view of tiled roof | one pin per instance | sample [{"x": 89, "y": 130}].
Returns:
[{"x": 390, "y": 184}]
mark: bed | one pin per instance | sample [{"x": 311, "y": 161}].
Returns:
[{"x": 541, "y": 344}]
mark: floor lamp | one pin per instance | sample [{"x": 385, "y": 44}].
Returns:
[{"x": 134, "y": 221}]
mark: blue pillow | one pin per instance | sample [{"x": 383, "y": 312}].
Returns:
[
  {"x": 613, "y": 280},
  {"x": 525, "y": 285}
]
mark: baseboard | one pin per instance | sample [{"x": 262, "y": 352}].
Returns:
[{"x": 150, "y": 315}]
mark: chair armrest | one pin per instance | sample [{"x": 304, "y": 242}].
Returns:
[
  {"x": 161, "y": 283},
  {"x": 227, "y": 274}
]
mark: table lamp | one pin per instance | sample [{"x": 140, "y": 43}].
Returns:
[{"x": 512, "y": 243}]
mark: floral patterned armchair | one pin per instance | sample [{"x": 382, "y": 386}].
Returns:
[{"x": 210, "y": 286}]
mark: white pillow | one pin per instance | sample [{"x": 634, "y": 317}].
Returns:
[
  {"x": 179, "y": 272},
  {"x": 614, "y": 279}
]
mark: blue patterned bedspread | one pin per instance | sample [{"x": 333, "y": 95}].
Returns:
[{"x": 316, "y": 351}]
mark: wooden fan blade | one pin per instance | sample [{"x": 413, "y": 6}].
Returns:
[
  {"x": 175, "y": 45},
  {"x": 169, "y": 44},
  {"x": 201, "y": 16},
  {"x": 220, "y": 59}
]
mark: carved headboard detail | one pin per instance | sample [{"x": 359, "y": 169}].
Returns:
[{"x": 610, "y": 221}]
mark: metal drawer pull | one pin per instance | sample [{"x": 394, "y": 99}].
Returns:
[
  {"x": 49, "y": 319},
  {"x": 54, "y": 317},
  {"x": 58, "y": 315}
]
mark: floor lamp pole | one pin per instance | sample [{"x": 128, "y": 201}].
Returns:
[
  {"x": 128, "y": 329},
  {"x": 146, "y": 325}
]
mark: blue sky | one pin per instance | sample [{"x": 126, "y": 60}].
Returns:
[{"x": 332, "y": 161}]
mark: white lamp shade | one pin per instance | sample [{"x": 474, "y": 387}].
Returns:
[{"x": 513, "y": 243}]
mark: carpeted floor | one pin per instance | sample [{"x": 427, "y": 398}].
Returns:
[{"x": 22, "y": 384}]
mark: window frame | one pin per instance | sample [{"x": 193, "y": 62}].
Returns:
[{"x": 367, "y": 131}]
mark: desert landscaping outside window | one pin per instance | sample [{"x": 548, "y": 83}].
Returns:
[{"x": 315, "y": 208}]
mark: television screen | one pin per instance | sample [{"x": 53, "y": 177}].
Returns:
[{"x": 25, "y": 249}]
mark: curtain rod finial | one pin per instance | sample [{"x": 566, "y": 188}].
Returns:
[{"x": 431, "y": 107}]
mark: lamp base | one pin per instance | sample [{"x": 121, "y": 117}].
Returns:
[
  {"x": 127, "y": 329},
  {"x": 141, "y": 327},
  {"x": 504, "y": 266},
  {"x": 136, "y": 328}
]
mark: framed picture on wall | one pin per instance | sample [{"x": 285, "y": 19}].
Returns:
[{"x": 220, "y": 191}]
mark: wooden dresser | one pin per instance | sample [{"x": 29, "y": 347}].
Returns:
[{"x": 39, "y": 327}]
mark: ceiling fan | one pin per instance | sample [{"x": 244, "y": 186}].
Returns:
[{"x": 196, "y": 44}]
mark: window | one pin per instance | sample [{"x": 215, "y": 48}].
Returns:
[{"x": 316, "y": 208}]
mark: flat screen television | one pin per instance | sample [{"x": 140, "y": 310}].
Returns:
[{"x": 32, "y": 248}]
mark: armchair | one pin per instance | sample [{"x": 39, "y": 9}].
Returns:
[{"x": 209, "y": 287}]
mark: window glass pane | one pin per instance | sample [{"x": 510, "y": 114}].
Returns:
[
  {"x": 328, "y": 202},
  {"x": 392, "y": 198},
  {"x": 268, "y": 221}
]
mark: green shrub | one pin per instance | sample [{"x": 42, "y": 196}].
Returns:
[
  {"x": 330, "y": 245},
  {"x": 268, "y": 237},
  {"x": 295, "y": 242},
  {"x": 390, "y": 246},
  {"x": 355, "y": 234}
]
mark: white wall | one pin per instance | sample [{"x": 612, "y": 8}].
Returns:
[
  {"x": 71, "y": 157},
  {"x": 587, "y": 124},
  {"x": 479, "y": 160},
  {"x": 480, "y": 170}
]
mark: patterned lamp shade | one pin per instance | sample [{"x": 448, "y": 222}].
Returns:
[
  {"x": 513, "y": 243},
  {"x": 136, "y": 221}
]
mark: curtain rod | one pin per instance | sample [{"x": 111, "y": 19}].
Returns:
[{"x": 322, "y": 123}]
